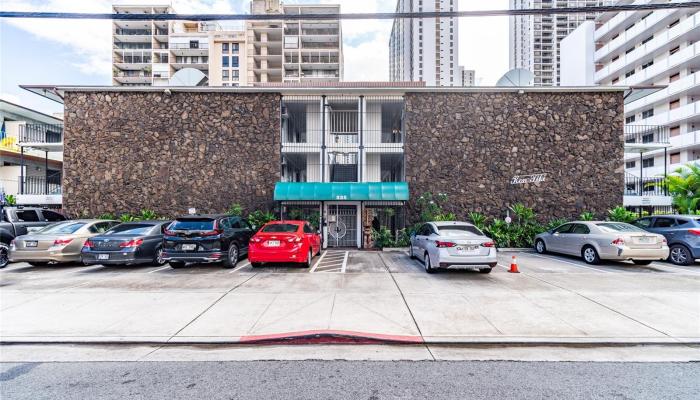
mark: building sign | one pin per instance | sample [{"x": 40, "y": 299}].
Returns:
[{"x": 533, "y": 178}]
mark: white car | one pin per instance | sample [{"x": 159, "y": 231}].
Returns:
[{"x": 453, "y": 245}]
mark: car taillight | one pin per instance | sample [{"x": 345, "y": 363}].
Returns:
[
  {"x": 663, "y": 240},
  {"x": 213, "y": 232},
  {"x": 694, "y": 231},
  {"x": 255, "y": 239},
  {"x": 62, "y": 242},
  {"x": 88, "y": 244},
  {"x": 488, "y": 244},
  {"x": 131, "y": 243},
  {"x": 444, "y": 244},
  {"x": 618, "y": 242},
  {"x": 169, "y": 232},
  {"x": 294, "y": 240}
]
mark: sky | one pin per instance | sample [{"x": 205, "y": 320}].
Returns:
[{"x": 78, "y": 52}]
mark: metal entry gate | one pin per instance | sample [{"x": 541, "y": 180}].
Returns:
[{"x": 342, "y": 225}]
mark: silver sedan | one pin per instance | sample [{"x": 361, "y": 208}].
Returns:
[
  {"x": 603, "y": 240},
  {"x": 453, "y": 244}
]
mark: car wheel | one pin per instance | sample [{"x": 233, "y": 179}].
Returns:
[
  {"x": 158, "y": 257},
  {"x": 410, "y": 252},
  {"x": 232, "y": 258},
  {"x": 590, "y": 255},
  {"x": 540, "y": 247},
  {"x": 309, "y": 258},
  {"x": 256, "y": 264},
  {"x": 680, "y": 255},
  {"x": 485, "y": 270},
  {"x": 428, "y": 264},
  {"x": 177, "y": 264},
  {"x": 4, "y": 255},
  {"x": 642, "y": 262}
]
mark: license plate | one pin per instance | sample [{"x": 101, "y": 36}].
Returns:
[
  {"x": 32, "y": 243},
  {"x": 103, "y": 256},
  {"x": 645, "y": 239},
  {"x": 272, "y": 243},
  {"x": 187, "y": 247}
]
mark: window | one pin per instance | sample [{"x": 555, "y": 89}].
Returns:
[
  {"x": 194, "y": 44},
  {"x": 642, "y": 223},
  {"x": 648, "y": 113},
  {"x": 647, "y": 39},
  {"x": 224, "y": 48},
  {"x": 224, "y": 61},
  {"x": 234, "y": 61},
  {"x": 226, "y": 223},
  {"x": 581, "y": 229},
  {"x": 648, "y": 162},
  {"x": 674, "y": 77},
  {"x": 236, "y": 223},
  {"x": 629, "y": 73},
  {"x": 224, "y": 74},
  {"x": 615, "y": 80},
  {"x": 27, "y": 215},
  {"x": 619, "y": 227},
  {"x": 631, "y": 49},
  {"x": 131, "y": 229},
  {"x": 647, "y": 65},
  {"x": 674, "y": 50},
  {"x": 234, "y": 75},
  {"x": 235, "y": 48},
  {"x": 291, "y": 42},
  {"x": 100, "y": 227},
  {"x": 630, "y": 164},
  {"x": 280, "y": 228},
  {"x": 674, "y": 104},
  {"x": 52, "y": 216},
  {"x": 663, "y": 222},
  {"x": 630, "y": 119},
  {"x": 564, "y": 228},
  {"x": 308, "y": 229},
  {"x": 459, "y": 230},
  {"x": 675, "y": 158},
  {"x": 674, "y": 23},
  {"x": 675, "y": 131}
]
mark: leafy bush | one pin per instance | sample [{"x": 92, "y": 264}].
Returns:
[
  {"x": 10, "y": 200},
  {"x": 127, "y": 218},
  {"x": 478, "y": 219},
  {"x": 586, "y": 216},
  {"x": 620, "y": 214},
  {"x": 107, "y": 216},
  {"x": 431, "y": 208},
  {"x": 382, "y": 238},
  {"x": 148, "y": 215},
  {"x": 235, "y": 210},
  {"x": 259, "y": 218}
]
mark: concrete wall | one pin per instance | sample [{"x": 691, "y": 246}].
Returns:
[
  {"x": 471, "y": 145},
  {"x": 577, "y": 50},
  {"x": 130, "y": 151}
]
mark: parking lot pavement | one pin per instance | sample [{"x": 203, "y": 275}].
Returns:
[{"x": 554, "y": 298}]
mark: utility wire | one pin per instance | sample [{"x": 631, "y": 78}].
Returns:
[{"x": 390, "y": 15}]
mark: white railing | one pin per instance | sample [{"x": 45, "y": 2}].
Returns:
[
  {"x": 684, "y": 84},
  {"x": 648, "y": 25},
  {"x": 672, "y": 116},
  {"x": 615, "y": 21}
]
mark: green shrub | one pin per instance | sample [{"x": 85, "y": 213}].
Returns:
[
  {"x": 128, "y": 218},
  {"x": 148, "y": 215},
  {"x": 478, "y": 219},
  {"x": 586, "y": 216},
  {"x": 620, "y": 214},
  {"x": 382, "y": 238},
  {"x": 431, "y": 208},
  {"x": 107, "y": 216},
  {"x": 259, "y": 218},
  {"x": 235, "y": 210},
  {"x": 10, "y": 200}
]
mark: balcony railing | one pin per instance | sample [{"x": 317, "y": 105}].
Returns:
[
  {"x": 41, "y": 133},
  {"x": 41, "y": 185},
  {"x": 646, "y": 134},
  {"x": 133, "y": 32},
  {"x": 649, "y": 186},
  {"x": 192, "y": 46}
]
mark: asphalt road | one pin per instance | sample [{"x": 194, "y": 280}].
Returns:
[{"x": 349, "y": 380}]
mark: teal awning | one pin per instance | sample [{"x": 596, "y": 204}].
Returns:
[{"x": 341, "y": 191}]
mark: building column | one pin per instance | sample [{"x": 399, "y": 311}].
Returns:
[{"x": 21, "y": 170}]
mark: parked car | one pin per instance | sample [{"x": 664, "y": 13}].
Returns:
[
  {"x": 129, "y": 243},
  {"x": 682, "y": 232},
  {"x": 452, "y": 245},
  {"x": 284, "y": 242},
  {"x": 603, "y": 240},
  {"x": 17, "y": 220},
  {"x": 206, "y": 239},
  {"x": 57, "y": 243}
]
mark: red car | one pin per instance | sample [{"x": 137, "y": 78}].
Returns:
[{"x": 284, "y": 242}]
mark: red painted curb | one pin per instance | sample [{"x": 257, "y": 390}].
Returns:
[{"x": 329, "y": 337}]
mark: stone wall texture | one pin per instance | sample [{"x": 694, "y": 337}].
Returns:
[
  {"x": 128, "y": 151},
  {"x": 471, "y": 145}
]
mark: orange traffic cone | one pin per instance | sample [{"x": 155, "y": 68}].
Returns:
[{"x": 514, "y": 266}]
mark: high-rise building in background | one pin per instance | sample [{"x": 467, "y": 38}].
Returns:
[
  {"x": 152, "y": 52},
  {"x": 534, "y": 39},
  {"x": 425, "y": 49},
  {"x": 468, "y": 76}
]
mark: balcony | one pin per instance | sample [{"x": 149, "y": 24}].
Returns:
[
  {"x": 40, "y": 190},
  {"x": 677, "y": 116},
  {"x": 189, "y": 49},
  {"x": 679, "y": 88},
  {"x": 644, "y": 138},
  {"x": 646, "y": 191},
  {"x": 134, "y": 77},
  {"x": 133, "y": 32},
  {"x": 45, "y": 137}
]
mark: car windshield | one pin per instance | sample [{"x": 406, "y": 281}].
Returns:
[
  {"x": 459, "y": 230},
  {"x": 281, "y": 228},
  {"x": 130, "y": 229},
  {"x": 618, "y": 227},
  {"x": 193, "y": 225},
  {"x": 62, "y": 228}
]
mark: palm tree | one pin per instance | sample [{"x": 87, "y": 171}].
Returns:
[{"x": 684, "y": 185}]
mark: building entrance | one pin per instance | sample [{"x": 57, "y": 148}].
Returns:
[{"x": 342, "y": 225}]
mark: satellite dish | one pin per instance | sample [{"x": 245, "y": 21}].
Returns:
[
  {"x": 188, "y": 77},
  {"x": 517, "y": 77}
]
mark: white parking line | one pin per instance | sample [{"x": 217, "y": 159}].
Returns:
[
  {"x": 247, "y": 263},
  {"x": 318, "y": 262},
  {"x": 158, "y": 269},
  {"x": 345, "y": 263},
  {"x": 570, "y": 263}
]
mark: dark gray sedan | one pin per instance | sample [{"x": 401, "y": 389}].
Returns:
[{"x": 127, "y": 244}]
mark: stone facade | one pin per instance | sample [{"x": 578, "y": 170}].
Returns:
[
  {"x": 128, "y": 151},
  {"x": 470, "y": 146}
]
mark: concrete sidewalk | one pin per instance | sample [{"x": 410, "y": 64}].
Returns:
[{"x": 383, "y": 297}]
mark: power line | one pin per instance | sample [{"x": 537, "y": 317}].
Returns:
[{"x": 391, "y": 15}]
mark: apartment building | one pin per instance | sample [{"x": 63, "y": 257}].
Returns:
[
  {"x": 31, "y": 155},
  {"x": 468, "y": 76},
  {"x": 425, "y": 49},
  {"x": 642, "y": 48},
  {"x": 151, "y": 52},
  {"x": 534, "y": 40}
]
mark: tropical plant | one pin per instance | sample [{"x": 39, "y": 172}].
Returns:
[
  {"x": 259, "y": 218},
  {"x": 382, "y": 238},
  {"x": 127, "y": 218},
  {"x": 10, "y": 200},
  {"x": 478, "y": 219},
  {"x": 148, "y": 215},
  {"x": 235, "y": 210},
  {"x": 621, "y": 214},
  {"x": 431, "y": 208},
  {"x": 403, "y": 238},
  {"x": 107, "y": 216},
  {"x": 586, "y": 216},
  {"x": 684, "y": 185}
]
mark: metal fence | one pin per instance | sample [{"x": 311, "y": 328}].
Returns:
[
  {"x": 650, "y": 186},
  {"x": 641, "y": 134},
  {"x": 41, "y": 185},
  {"x": 41, "y": 133}
]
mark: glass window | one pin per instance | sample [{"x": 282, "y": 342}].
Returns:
[
  {"x": 563, "y": 228},
  {"x": 101, "y": 227},
  {"x": 291, "y": 42},
  {"x": 224, "y": 61},
  {"x": 52, "y": 216},
  {"x": 648, "y": 163},
  {"x": 204, "y": 224},
  {"x": 280, "y": 228},
  {"x": 308, "y": 229},
  {"x": 27, "y": 215},
  {"x": 459, "y": 230},
  {"x": 581, "y": 229},
  {"x": 234, "y": 48},
  {"x": 234, "y": 75},
  {"x": 130, "y": 229},
  {"x": 648, "y": 113},
  {"x": 236, "y": 223},
  {"x": 663, "y": 222},
  {"x": 224, "y": 74},
  {"x": 62, "y": 228},
  {"x": 642, "y": 223},
  {"x": 620, "y": 227},
  {"x": 681, "y": 221},
  {"x": 234, "y": 61},
  {"x": 224, "y": 48},
  {"x": 226, "y": 223}
]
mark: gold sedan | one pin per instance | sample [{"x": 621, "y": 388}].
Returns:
[{"x": 57, "y": 243}]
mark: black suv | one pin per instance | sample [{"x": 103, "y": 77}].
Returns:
[{"x": 206, "y": 239}]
